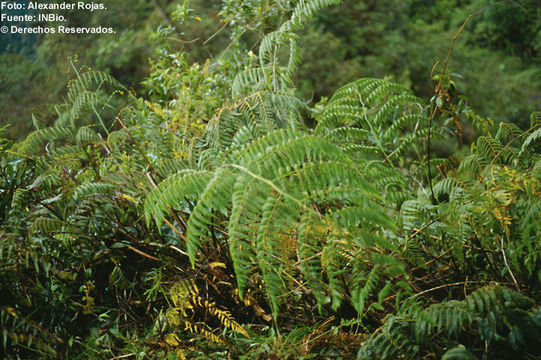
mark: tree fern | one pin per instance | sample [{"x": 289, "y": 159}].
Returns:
[{"x": 268, "y": 183}]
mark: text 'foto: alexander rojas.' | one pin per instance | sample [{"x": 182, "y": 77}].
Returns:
[{"x": 32, "y": 5}]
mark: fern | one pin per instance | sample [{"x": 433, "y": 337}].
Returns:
[
  {"x": 385, "y": 116},
  {"x": 89, "y": 189},
  {"x": 485, "y": 311},
  {"x": 260, "y": 113},
  {"x": 266, "y": 185},
  {"x": 27, "y": 333},
  {"x": 271, "y": 75},
  {"x": 86, "y": 135},
  {"x": 187, "y": 300},
  {"x": 87, "y": 80},
  {"x": 264, "y": 204},
  {"x": 532, "y": 138},
  {"x": 33, "y": 143}
]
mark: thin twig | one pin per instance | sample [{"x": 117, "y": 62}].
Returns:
[
  {"x": 447, "y": 285},
  {"x": 142, "y": 253},
  {"x": 439, "y": 89},
  {"x": 507, "y": 265},
  {"x": 415, "y": 234},
  {"x": 216, "y": 33},
  {"x": 123, "y": 356}
]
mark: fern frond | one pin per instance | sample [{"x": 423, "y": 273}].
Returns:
[
  {"x": 473, "y": 164},
  {"x": 172, "y": 166},
  {"x": 266, "y": 78},
  {"x": 170, "y": 193},
  {"x": 116, "y": 138},
  {"x": 86, "y": 135},
  {"x": 312, "y": 238},
  {"x": 304, "y": 11},
  {"x": 33, "y": 142},
  {"x": 49, "y": 226},
  {"x": 90, "y": 80},
  {"x": 508, "y": 132},
  {"x": 364, "y": 286},
  {"x": 387, "y": 113},
  {"x": 91, "y": 189},
  {"x": 83, "y": 103},
  {"x": 533, "y": 138},
  {"x": 214, "y": 198},
  {"x": 535, "y": 119},
  {"x": 483, "y": 311},
  {"x": 446, "y": 186},
  {"x": 458, "y": 353}
]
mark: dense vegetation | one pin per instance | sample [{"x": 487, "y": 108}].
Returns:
[{"x": 224, "y": 215}]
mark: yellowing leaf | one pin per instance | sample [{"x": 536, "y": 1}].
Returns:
[
  {"x": 128, "y": 198},
  {"x": 172, "y": 339},
  {"x": 217, "y": 264},
  {"x": 11, "y": 311}
]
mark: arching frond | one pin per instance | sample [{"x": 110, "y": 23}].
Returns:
[{"x": 388, "y": 118}]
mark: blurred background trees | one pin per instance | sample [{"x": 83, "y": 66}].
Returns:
[{"x": 495, "y": 65}]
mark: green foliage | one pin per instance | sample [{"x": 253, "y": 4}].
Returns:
[
  {"x": 263, "y": 186},
  {"x": 481, "y": 229},
  {"x": 500, "y": 318},
  {"x": 388, "y": 118},
  {"x": 223, "y": 217}
]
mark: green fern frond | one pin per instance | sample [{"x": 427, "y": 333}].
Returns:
[
  {"x": 33, "y": 142},
  {"x": 473, "y": 164},
  {"x": 257, "y": 79},
  {"x": 84, "y": 103},
  {"x": 92, "y": 189},
  {"x": 405, "y": 121},
  {"x": 64, "y": 154},
  {"x": 271, "y": 75},
  {"x": 387, "y": 114},
  {"x": 116, "y": 138},
  {"x": 364, "y": 286},
  {"x": 261, "y": 113},
  {"x": 90, "y": 80},
  {"x": 86, "y": 135},
  {"x": 312, "y": 238},
  {"x": 488, "y": 147},
  {"x": 171, "y": 166},
  {"x": 484, "y": 312},
  {"x": 533, "y": 138},
  {"x": 50, "y": 226},
  {"x": 535, "y": 119},
  {"x": 348, "y": 134},
  {"x": 261, "y": 188},
  {"x": 446, "y": 187},
  {"x": 304, "y": 11},
  {"x": 173, "y": 191},
  {"x": 508, "y": 132},
  {"x": 458, "y": 353}
]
